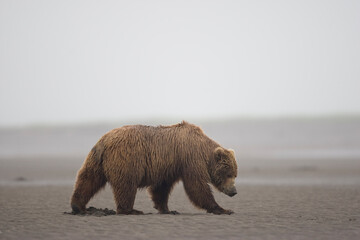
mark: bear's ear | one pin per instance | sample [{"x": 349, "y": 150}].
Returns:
[
  {"x": 219, "y": 152},
  {"x": 232, "y": 152}
]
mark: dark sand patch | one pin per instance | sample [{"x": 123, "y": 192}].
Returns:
[{"x": 92, "y": 211}]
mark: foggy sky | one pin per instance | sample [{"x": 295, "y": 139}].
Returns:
[{"x": 87, "y": 61}]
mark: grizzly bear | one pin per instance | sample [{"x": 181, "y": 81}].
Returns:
[{"x": 138, "y": 156}]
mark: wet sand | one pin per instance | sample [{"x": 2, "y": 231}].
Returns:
[
  {"x": 261, "y": 212},
  {"x": 280, "y": 196}
]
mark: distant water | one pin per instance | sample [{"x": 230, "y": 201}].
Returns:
[
  {"x": 333, "y": 180},
  {"x": 63, "y": 182},
  {"x": 49, "y": 141},
  {"x": 284, "y": 138}
]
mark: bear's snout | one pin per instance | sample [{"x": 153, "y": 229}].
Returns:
[
  {"x": 233, "y": 193},
  {"x": 230, "y": 191},
  {"x": 229, "y": 187}
]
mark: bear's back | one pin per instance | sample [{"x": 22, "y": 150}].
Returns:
[{"x": 176, "y": 142}]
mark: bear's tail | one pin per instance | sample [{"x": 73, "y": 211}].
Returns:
[{"x": 90, "y": 179}]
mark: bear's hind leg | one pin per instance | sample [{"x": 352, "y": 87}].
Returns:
[
  {"x": 124, "y": 199},
  {"x": 88, "y": 183},
  {"x": 160, "y": 196}
]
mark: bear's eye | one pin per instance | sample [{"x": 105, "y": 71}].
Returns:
[{"x": 229, "y": 176}]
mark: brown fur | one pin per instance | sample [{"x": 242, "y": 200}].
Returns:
[{"x": 133, "y": 157}]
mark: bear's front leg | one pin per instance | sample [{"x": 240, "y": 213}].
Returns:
[{"x": 201, "y": 196}]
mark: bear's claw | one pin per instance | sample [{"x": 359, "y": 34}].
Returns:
[{"x": 219, "y": 210}]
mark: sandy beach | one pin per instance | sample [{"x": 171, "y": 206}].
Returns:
[{"x": 297, "y": 180}]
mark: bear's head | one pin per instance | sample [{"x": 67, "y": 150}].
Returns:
[{"x": 224, "y": 171}]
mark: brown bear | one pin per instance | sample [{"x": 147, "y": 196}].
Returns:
[{"x": 138, "y": 156}]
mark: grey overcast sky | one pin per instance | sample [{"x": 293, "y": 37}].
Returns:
[{"x": 85, "y": 61}]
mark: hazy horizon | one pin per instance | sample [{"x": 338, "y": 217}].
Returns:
[
  {"x": 73, "y": 62},
  {"x": 164, "y": 120}
]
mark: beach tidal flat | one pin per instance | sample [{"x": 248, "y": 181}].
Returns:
[{"x": 261, "y": 212}]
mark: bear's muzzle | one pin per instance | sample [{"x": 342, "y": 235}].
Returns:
[{"x": 230, "y": 191}]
